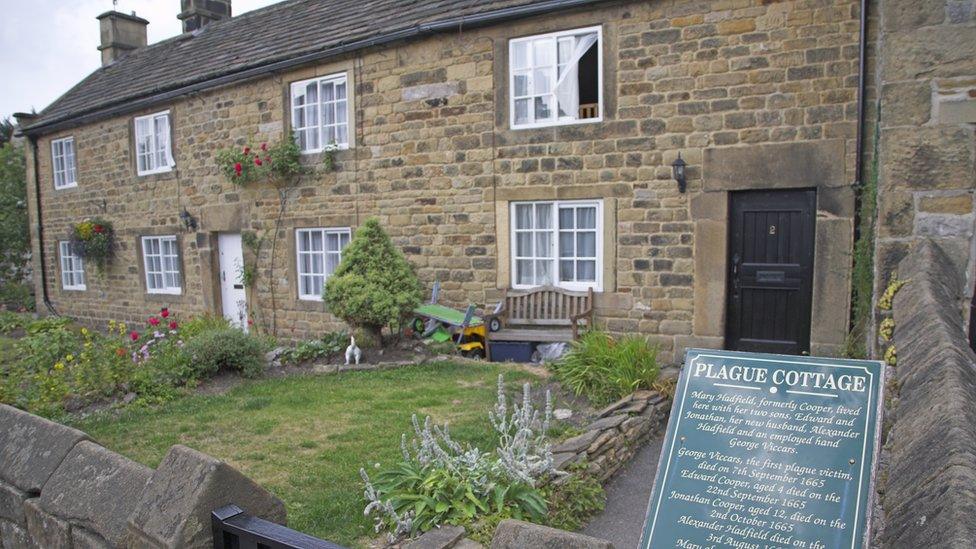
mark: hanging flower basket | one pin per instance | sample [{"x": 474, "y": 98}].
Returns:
[{"x": 94, "y": 240}]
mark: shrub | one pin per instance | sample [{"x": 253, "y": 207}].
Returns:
[
  {"x": 331, "y": 344},
  {"x": 605, "y": 369},
  {"x": 440, "y": 481},
  {"x": 572, "y": 502},
  {"x": 17, "y": 296},
  {"x": 10, "y": 321},
  {"x": 374, "y": 285},
  {"x": 225, "y": 349}
]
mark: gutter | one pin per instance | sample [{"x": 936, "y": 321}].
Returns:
[
  {"x": 861, "y": 86},
  {"x": 454, "y": 23},
  {"x": 40, "y": 227}
]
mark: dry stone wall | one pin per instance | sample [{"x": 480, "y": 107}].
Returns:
[
  {"x": 928, "y": 488},
  {"x": 618, "y": 432},
  {"x": 58, "y": 489}
]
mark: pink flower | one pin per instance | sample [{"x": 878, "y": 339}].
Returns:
[
  {"x": 164, "y": 312},
  {"x": 247, "y": 150},
  {"x": 257, "y": 161},
  {"x": 173, "y": 325},
  {"x": 238, "y": 168},
  {"x": 153, "y": 321},
  {"x": 250, "y": 322},
  {"x": 134, "y": 336},
  {"x": 264, "y": 146}
]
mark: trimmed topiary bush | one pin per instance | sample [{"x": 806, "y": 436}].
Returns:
[{"x": 374, "y": 285}]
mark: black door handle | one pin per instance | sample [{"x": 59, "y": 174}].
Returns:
[
  {"x": 736, "y": 260},
  {"x": 238, "y": 286}
]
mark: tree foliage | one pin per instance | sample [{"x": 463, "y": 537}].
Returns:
[
  {"x": 374, "y": 285},
  {"x": 13, "y": 212},
  {"x": 6, "y": 131}
]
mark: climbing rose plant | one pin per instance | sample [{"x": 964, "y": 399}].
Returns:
[{"x": 278, "y": 163}]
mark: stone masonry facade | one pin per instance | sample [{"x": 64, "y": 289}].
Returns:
[
  {"x": 740, "y": 88},
  {"x": 927, "y": 145}
]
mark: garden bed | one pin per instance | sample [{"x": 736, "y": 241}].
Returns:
[{"x": 306, "y": 436}]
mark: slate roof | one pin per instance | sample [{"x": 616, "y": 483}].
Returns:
[{"x": 287, "y": 30}]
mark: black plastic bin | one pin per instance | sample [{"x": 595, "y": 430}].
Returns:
[{"x": 511, "y": 351}]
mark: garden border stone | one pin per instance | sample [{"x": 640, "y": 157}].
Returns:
[
  {"x": 45, "y": 529},
  {"x": 515, "y": 534},
  {"x": 12, "y": 505}
]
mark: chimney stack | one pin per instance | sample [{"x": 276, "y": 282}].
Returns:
[
  {"x": 196, "y": 14},
  {"x": 121, "y": 34}
]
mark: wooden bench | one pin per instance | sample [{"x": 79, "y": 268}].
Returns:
[{"x": 546, "y": 315}]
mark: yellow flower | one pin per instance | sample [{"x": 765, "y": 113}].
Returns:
[
  {"x": 84, "y": 331},
  {"x": 58, "y": 366},
  {"x": 69, "y": 358}
]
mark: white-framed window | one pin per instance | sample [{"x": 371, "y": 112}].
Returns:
[
  {"x": 319, "y": 252},
  {"x": 556, "y": 78},
  {"x": 557, "y": 243},
  {"x": 154, "y": 152},
  {"x": 320, "y": 113},
  {"x": 161, "y": 258},
  {"x": 63, "y": 162},
  {"x": 72, "y": 268}
]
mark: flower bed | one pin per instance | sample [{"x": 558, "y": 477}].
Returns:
[{"x": 58, "y": 367}]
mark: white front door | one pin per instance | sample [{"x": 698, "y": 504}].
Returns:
[{"x": 232, "y": 293}]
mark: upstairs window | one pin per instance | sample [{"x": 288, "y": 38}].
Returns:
[
  {"x": 72, "y": 268},
  {"x": 556, "y": 78},
  {"x": 63, "y": 161},
  {"x": 320, "y": 113},
  {"x": 319, "y": 253},
  {"x": 153, "y": 149},
  {"x": 161, "y": 258},
  {"x": 557, "y": 244}
]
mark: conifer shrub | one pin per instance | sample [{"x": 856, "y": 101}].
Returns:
[{"x": 374, "y": 285}]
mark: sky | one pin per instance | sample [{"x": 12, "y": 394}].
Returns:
[{"x": 50, "y": 45}]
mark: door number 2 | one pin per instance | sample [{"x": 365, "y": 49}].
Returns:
[{"x": 772, "y": 229}]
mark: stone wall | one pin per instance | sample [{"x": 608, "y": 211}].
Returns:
[
  {"x": 619, "y": 431},
  {"x": 927, "y": 148},
  {"x": 435, "y": 159},
  {"x": 59, "y": 489},
  {"x": 928, "y": 487}
]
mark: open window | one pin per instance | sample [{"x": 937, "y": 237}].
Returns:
[{"x": 556, "y": 78}]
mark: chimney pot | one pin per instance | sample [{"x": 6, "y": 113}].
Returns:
[
  {"x": 120, "y": 34},
  {"x": 196, "y": 14}
]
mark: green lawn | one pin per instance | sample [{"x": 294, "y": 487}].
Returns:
[
  {"x": 6, "y": 349},
  {"x": 304, "y": 438}
]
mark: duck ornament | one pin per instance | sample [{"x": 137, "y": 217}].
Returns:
[{"x": 353, "y": 352}]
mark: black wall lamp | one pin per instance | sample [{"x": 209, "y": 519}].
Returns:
[
  {"x": 188, "y": 220},
  {"x": 678, "y": 170}
]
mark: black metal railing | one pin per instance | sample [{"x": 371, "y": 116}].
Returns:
[{"x": 235, "y": 529}]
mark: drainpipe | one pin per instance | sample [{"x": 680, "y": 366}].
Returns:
[
  {"x": 861, "y": 85},
  {"x": 40, "y": 227}
]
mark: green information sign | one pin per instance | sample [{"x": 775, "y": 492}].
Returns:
[{"x": 767, "y": 451}]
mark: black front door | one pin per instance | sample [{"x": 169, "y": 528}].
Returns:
[{"x": 770, "y": 278}]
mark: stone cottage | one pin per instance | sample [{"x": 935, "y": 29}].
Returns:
[{"x": 513, "y": 144}]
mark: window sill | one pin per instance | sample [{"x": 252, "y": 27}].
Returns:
[
  {"x": 580, "y": 288},
  {"x": 168, "y": 169},
  {"x": 66, "y": 186},
  {"x": 556, "y": 124},
  {"x": 74, "y": 288}
]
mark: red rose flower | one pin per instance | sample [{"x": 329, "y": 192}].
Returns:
[
  {"x": 173, "y": 325},
  {"x": 247, "y": 150},
  {"x": 134, "y": 336},
  {"x": 98, "y": 229},
  {"x": 250, "y": 322},
  {"x": 164, "y": 312},
  {"x": 154, "y": 321},
  {"x": 264, "y": 146},
  {"x": 257, "y": 161},
  {"x": 238, "y": 168}
]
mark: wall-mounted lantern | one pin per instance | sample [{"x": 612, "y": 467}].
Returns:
[
  {"x": 678, "y": 170},
  {"x": 188, "y": 220}
]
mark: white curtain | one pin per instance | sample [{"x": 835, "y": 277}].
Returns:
[{"x": 567, "y": 87}]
